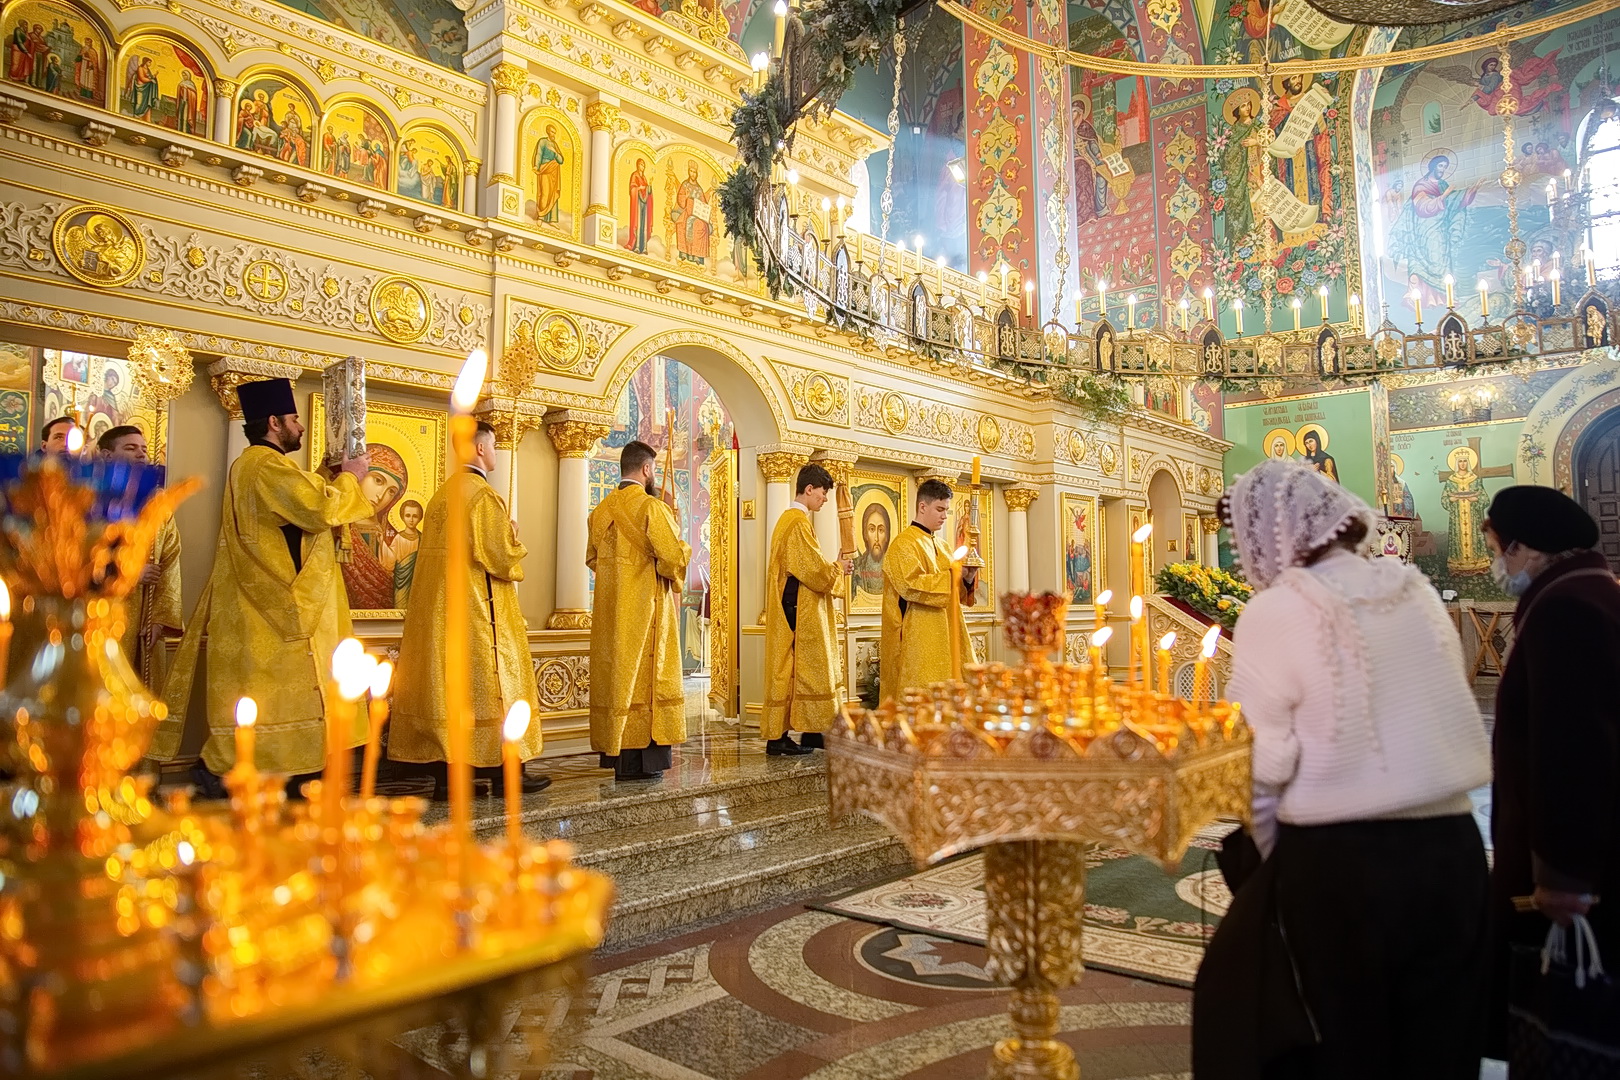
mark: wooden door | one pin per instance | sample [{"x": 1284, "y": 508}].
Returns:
[{"x": 1599, "y": 478}]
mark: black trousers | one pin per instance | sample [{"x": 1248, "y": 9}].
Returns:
[
  {"x": 1383, "y": 924},
  {"x": 652, "y": 758}
]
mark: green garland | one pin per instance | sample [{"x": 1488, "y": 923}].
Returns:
[{"x": 1209, "y": 590}]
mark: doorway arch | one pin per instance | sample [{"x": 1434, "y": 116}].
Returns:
[
  {"x": 1164, "y": 504},
  {"x": 752, "y": 397},
  {"x": 1596, "y": 477}
]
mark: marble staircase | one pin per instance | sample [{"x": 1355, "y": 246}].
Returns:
[{"x": 727, "y": 830}]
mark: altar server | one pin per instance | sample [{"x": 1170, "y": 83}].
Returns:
[
  {"x": 638, "y": 710},
  {"x": 153, "y": 611},
  {"x": 801, "y": 651},
  {"x": 496, "y": 652},
  {"x": 915, "y": 648},
  {"x": 275, "y": 606}
]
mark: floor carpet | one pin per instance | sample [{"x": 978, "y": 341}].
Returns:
[{"x": 1139, "y": 920}]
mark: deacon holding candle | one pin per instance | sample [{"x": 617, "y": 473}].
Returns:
[
  {"x": 154, "y": 606},
  {"x": 638, "y": 709},
  {"x": 917, "y": 600},
  {"x": 495, "y": 653},
  {"x": 801, "y": 645},
  {"x": 275, "y": 606}
]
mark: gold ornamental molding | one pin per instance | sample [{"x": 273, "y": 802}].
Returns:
[
  {"x": 511, "y": 420},
  {"x": 779, "y": 463},
  {"x": 602, "y": 116},
  {"x": 1210, "y": 524},
  {"x": 508, "y": 78},
  {"x": 904, "y": 415},
  {"x": 565, "y": 342},
  {"x": 840, "y": 466},
  {"x": 816, "y": 395},
  {"x": 230, "y": 372},
  {"x": 570, "y": 619},
  {"x": 573, "y": 436},
  {"x": 1019, "y": 497},
  {"x": 96, "y": 244}
]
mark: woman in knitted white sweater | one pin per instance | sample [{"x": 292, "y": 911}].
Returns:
[{"x": 1357, "y": 949}]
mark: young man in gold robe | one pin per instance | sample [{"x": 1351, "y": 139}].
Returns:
[
  {"x": 915, "y": 648},
  {"x": 801, "y": 647},
  {"x": 497, "y": 648},
  {"x": 274, "y": 607},
  {"x": 638, "y": 709},
  {"x": 153, "y": 609}
]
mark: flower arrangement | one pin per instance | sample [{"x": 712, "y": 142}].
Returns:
[{"x": 1212, "y": 592}]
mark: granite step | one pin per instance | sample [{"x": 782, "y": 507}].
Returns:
[{"x": 704, "y": 836}]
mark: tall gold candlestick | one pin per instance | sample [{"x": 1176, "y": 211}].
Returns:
[
  {"x": 1029, "y": 299},
  {"x": 1166, "y": 643},
  {"x": 780, "y": 32},
  {"x": 457, "y": 683},
  {"x": 1484, "y": 299},
  {"x": 1322, "y": 294},
  {"x": 1209, "y": 304},
  {"x": 1102, "y": 298},
  {"x": 381, "y": 677},
  {"x": 512, "y": 731},
  {"x": 1099, "y": 667},
  {"x": 1296, "y": 306},
  {"x": 1130, "y": 312},
  {"x": 1417, "y": 306},
  {"x": 1451, "y": 296},
  {"x": 956, "y": 611},
  {"x": 1556, "y": 277},
  {"x": 1237, "y": 313},
  {"x": 1183, "y": 306}
]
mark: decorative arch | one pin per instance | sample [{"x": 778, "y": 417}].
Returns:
[
  {"x": 357, "y": 143},
  {"x": 752, "y": 396},
  {"x": 423, "y": 142},
  {"x": 1167, "y": 505},
  {"x": 63, "y": 49},
  {"x": 164, "y": 79},
  {"x": 550, "y": 166},
  {"x": 275, "y": 116},
  {"x": 1559, "y": 416}
]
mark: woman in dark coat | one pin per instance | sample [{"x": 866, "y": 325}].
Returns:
[{"x": 1555, "y": 803}]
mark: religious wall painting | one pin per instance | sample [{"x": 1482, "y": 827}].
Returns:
[
  {"x": 1079, "y": 548},
  {"x": 357, "y": 145},
  {"x": 405, "y": 448},
  {"x": 166, "y": 83},
  {"x": 687, "y": 180},
  {"x": 55, "y": 48},
  {"x": 880, "y": 514},
  {"x": 1442, "y": 480},
  {"x": 635, "y": 199},
  {"x": 98, "y": 245},
  {"x": 955, "y": 534},
  {"x": 550, "y": 165},
  {"x": 1332, "y": 431},
  {"x": 97, "y": 390},
  {"x": 275, "y": 116},
  {"x": 429, "y": 166},
  {"x": 1190, "y": 549},
  {"x": 16, "y": 397}
]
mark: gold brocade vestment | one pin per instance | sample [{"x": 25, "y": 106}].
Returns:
[
  {"x": 801, "y": 668},
  {"x": 497, "y": 646},
  {"x": 915, "y": 649},
  {"x": 151, "y": 610},
  {"x": 640, "y": 566},
  {"x": 270, "y": 631}
]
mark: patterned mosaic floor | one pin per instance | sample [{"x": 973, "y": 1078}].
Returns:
[{"x": 791, "y": 994}]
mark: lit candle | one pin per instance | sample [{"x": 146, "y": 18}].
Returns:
[
  {"x": 1591, "y": 267},
  {"x": 1183, "y": 307},
  {"x": 381, "y": 676},
  {"x": 956, "y": 611},
  {"x": 1079, "y": 317},
  {"x": 458, "y": 559},
  {"x": 512, "y": 731},
  {"x": 1209, "y": 303},
  {"x": 5, "y": 632},
  {"x": 1102, "y": 298},
  {"x": 75, "y": 439},
  {"x": 1296, "y": 306},
  {"x": 1130, "y": 312},
  {"x": 1201, "y": 668},
  {"x": 1029, "y": 299},
  {"x": 780, "y": 11},
  {"x": 351, "y": 678},
  {"x": 1099, "y": 608},
  {"x": 1556, "y": 278},
  {"x": 842, "y": 220},
  {"x": 1567, "y": 175},
  {"x": 975, "y": 470},
  {"x": 1322, "y": 294},
  {"x": 1451, "y": 298},
  {"x": 1417, "y": 305},
  {"x": 1535, "y": 270},
  {"x": 1552, "y": 193},
  {"x": 1484, "y": 299},
  {"x": 247, "y": 714},
  {"x": 1098, "y": 668},
  {"x": 1237, "y": 313},
  {"x": 939, "y": 279},
  {"x": 826, "y": 217},
  {"x": 1139, "y": 539},
  {"x": 1166, "y": 643},
  {"x": 1002, "y": 268},
  {"x": 1138, "y": 641},
  {"x": 760, "y": 61},
  {"x": 1355, "y": 312}
]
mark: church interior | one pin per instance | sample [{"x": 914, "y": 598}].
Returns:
[{"x": 1084, "y": 261}]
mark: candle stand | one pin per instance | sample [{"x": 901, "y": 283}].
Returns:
[{"x": 1032, "y": 763}]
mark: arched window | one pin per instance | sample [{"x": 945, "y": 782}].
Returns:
[{"x": 1601, "y": 179}]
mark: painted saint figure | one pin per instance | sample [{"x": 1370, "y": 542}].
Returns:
[
  {"x": 548, "y": 163},
  {"x": 640, "y": 209},
  {"x": 404, "y": 547},
  {"x": 1438, "y": 225},
  {"x": 142, "y": 89},
  {"x": 692, "y": 215},
  {"x": 1462, "y": 493},
  {"x": 1316, "y": 456},
  {"x": 875, "y": 532},
  {"x": 369, "y": 574}
]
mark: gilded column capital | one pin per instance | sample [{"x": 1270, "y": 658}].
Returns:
[
  {"x": 1210, "y": 524},
  {"x": 950, "y": 476},
  {"x": 229, "y": 372},
  {"x": 602, "y": 116},
  {"x": 840, "y": 466},
  {"x": 569, "y": 619},
  {"x": 508, "y": 78},
  {"x": 576, "y": 438},
  {"x": 779, "y": 463},
  {"x": 225, "y": 88},
  {"x": 471, "y": 166},
  {"x": 510, "y": 425},
  {"x": 1019, "y": 497}
]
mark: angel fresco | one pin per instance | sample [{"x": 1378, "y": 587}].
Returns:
[{"x": 1527, "y": 70}]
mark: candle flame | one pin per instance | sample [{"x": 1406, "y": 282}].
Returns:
[
  {"x": 1136, "y": 607},
  {"x": 247, "y": 712},
  {"x": 381, "y": 676},
  {"x": 959, "y": 554},
  {"x": 471, "y": 380},
  {"x": 1140, "y": 535},
  {"x": 781, "y": 8},
  {"x": 75, "y": 439},
  {"x": 5, "y": 602},
  {"x": 1167, "y": 642},
  {"x": 1105, "y": 596},
  {"x": 1484, "y": 286},
  {"x": 349, "y": 669},
  {"x": 517, "y": 721},
  {"x": 1211, "y": 636},
  {"x": 1100, "y": 638}
]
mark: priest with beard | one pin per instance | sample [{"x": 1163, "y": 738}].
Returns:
[
  {"x": 496, "y": 651},
  {"x": 275, "y": 606},
  {"x": 915, "y": 648},
  {"x": 154, "y": 608},
  {"x": 638, "y": 708}
]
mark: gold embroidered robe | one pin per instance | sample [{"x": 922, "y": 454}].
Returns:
[
  {"x": 497, "y": 653},
  {"x": 801, "y": 662},
  {"x": 151, "y": 611},
  {"x": 270, "y": 632},
  {"x": 640, "y": 565},
  {"x": 915, "y": 648}
]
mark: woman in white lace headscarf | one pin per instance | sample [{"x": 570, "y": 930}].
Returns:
[{"x": 1367, "y": 740}]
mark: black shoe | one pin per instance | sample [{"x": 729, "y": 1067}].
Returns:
[
  {"x": 639, "y": 776},
  {"x": 532, "y": 782},
  {"x": 785, "y": 747},
  {"x": 206, "y": 784},
  {"x": 812, "y": 740}
]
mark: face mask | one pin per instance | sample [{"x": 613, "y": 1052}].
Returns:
[{"x": 1512, "y": 584}]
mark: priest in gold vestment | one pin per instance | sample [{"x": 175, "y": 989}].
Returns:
[
  {"x": 915, "y": 648},
  {"x": 638, "y": 710},
  {"x": 801, "y": 645},
  {"x": 497, "y": 648},
  {"x": 275, "y": 606},
  {"x": 152, "y": 613}
]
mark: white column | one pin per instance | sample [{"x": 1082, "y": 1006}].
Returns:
[
  {"x": 1211, "y": 530},
  {"x": 1018, "y": 499},
  {"x": 505, "y": 197},
  {"x": 839, "y": 466},
  {"x": 469, "y": 186},
  {"x": 602, "y": 116},
  {"x": 779, "y": 463},
  {"x": 225, "y": 375},
  {"x": 574, "y": 440},
  {"x": 224, "y": 111}
]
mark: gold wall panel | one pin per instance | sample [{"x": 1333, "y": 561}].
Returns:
[
  {"x": 568, "y": 342},
  {"x": 816, "y": 395},
  {"x": 894, "y": 413}
]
